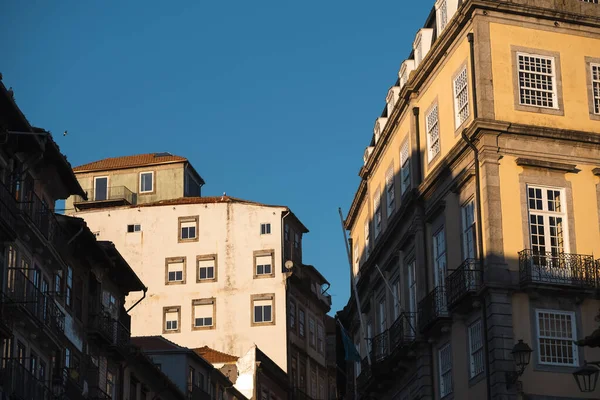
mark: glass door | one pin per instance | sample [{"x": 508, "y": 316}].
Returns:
[{"x": 101, "y": 188}]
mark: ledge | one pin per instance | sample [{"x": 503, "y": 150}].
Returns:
[{"x": 530, "y": 162}]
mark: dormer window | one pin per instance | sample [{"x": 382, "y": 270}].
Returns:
[
  {"x": 422, "y": 44},
  {"x": 418, "y": 50},
  {"x": 379, "y": 126},
  {"x": 442, "y": 14},
  {"x": 405, "y": 69},
  {"x": 391, "y": 99}
]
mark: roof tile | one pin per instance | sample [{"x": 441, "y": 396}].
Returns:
[
  {"x": 139, "y": 160},
  {"x": 215, "y": 357}
]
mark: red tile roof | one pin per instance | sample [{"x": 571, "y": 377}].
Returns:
[
  {"x": 140, "y": 160},
  {"x": 215, "y": 357},
  {"x": 150, "y": 343}
]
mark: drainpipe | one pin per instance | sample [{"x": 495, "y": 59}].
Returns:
[
  {"x": 470, "y": 38},
  {"x": 417, "y": 162},
  {"x": 137, "y": 302},
  {"x": 75, "y": 236}
]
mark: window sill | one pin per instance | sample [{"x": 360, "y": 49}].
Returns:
[
  {"x": 165, "y": 332},
  {"x": 559, "y": 369},
  {"x": 203, "y": 328},
  {"x": 175, "y": 283},
  {"x": 540, "y": 110},
  {"x": 206, "y": 280},
  {"x": 264, "y": 276},
  {"x": 477, "y": 378},
  {"x": 257, "y": 324},
  {"x": 180, "y": 240}
]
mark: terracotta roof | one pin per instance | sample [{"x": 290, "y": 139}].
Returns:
[
  {"x": 203, "y": 200},
  {"x": 149, "y": 343},
  {"x": 215, "y": 357},
  {"x": 140, "y": 160}
]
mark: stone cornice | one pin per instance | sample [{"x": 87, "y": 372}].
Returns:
[{"x": 531, "y": 162}]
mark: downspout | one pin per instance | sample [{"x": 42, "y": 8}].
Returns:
[
  {"x": 139, "y": 301},
  {"x": 471, "y": 40},
  {"x": 75, "y": 236},
  {"x": 418, "y": 145}
]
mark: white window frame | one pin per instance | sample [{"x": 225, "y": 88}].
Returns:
[
  {"x": 469, "y": 245},
  {"x": 265, "y": 229},
  {"x": 570, "y": 340},
  {"x": 433, "y": 132},
  {"x": 396, "y": 297},
  {"x": 460, "y": 86},
  {"x": 135, "y": 228},
  {"x": 476, "y": 349},
  {"x": 141, "y": 180},
  {"x": 264, "y": 266},
  {"x": 182, "y": 263},
  {"x": 166, "y": 327},
  {"x": 382, "y": 315},
  {"x": 262, "y": 306},
  {"x": 200, "y": 267},
  {"x": 356, "y": 257},
  {"x": 445, "y": 371},
  {"x": 412, "y": 292},
  {"x": 377, "y": 213},
  {"x": 595, "y": 71},
  {"x": 439, "y": 257},
  {"x": 312, "y": 331},
  {"x": 320, "y": 338},
  {"x": 367, "y": 238},
  {"x": 390, "y": 190},
  {"x": 546, "y": 214},
  {"x": 442, "y": 15},
  {"x": 369, "y": 337},
  {"x": 404, "y": 167},
  {"x": 209, "y": 303},
  {"x": 417, "y": 46},
  {"x": 552, "y": 76}
]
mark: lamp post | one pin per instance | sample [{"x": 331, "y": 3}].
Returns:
[
  {"x": 521, "y": 353},
  {"x": 587, "y": 376}
]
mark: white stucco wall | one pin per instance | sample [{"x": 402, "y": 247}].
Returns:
[{"x": 230, "y": 230}]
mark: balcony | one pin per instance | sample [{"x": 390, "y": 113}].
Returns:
[
  {"x": 463, "y": 283},
  {"x": 121, "y": 338},
  {"x": 18, "y": 383},
  {"x": 9, "y": 212},
  {"x": 106, "y": 197},
  {"x": 564, "y": 270},
  {"x": 433, "y": 309},
  {"x": 40, "y": 215},
  {"x": 101, "y": 326},
  {"x": 22, "y": 292}
]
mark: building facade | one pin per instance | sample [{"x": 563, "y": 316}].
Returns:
[
  {"x": 479, "y": 202},
  {"x": 222, "y": 272}
]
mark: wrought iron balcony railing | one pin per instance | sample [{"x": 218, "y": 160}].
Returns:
[
  {"x": 19, "y": 383},
  {"x": 434, "y": 306},
  {"x": 111, "y": 194},
  {"x": 464, "y": 280},
  {"x": 9, "y": 209},
  {"x": 102, "y": 325},
  {"x": 40, "y": 214},
  {"x": 21, "y": 291},
  {"x": 403, "y": 331},
  {"x": 561, "y": 269},
  {"x": 122, "y": 336}
]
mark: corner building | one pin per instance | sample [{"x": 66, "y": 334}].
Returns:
[{"x": 479, "y": 201}]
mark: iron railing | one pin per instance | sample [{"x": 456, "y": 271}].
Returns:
[
  {"x": 565, "y": 269},
  {"x": 380, "y": 346},
  {"x": 464, "y": 280},
  {"x": 102, "y": 324},
  {"x": 111, "y": 193},
  {"x": 122, "y": 336},
  {"x": 19, "y": 383},
  {"x": 8, "y": 206},
  {"x": 403, "y": 331},
  {"x": 432, "y": 307},
  {"x": 40, "y": 214},
  {"x": 22, "y": 291}
]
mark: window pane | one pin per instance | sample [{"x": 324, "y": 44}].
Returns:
[
  {"x": 258, "y": 314},
  {"x": 267, "y": 313}
]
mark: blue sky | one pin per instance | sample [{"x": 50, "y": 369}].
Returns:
[{"x": 272, "y": 101}]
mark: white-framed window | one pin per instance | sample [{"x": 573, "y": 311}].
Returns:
[
  {"x": 390, "y": 189},
  {"x": 134, "y": 228},
  {"x": 206, "y": 268},
  {"x": 418, "y": 49},
  {"x": 595, "y": 71},
  {"x": 445, "y": 369},
  {"x": 367, "y": 238},
  {"x": 382, "y": 316},
  {"x": 265, "y": 229},
  {"x": 312, "y": 331},
  {"x": 412, "y": 292},
  {"x": 263, "y": 311},
  {"x": 175, "y": 270},
  {"x": 405, "y": 167},
  {"x": 204, "y": 312},
  {"x": 556, "y": 331},
  {"x": 547, "y": 220},
  {"x": 320, "y": 338},
  {"x": 171, "y": 318},
  {"x": 377, "y": 213},
  {"x": 468, "y": 230},
  {"x": 537, "y": 80},
  {"x": 146, "y": 182},
  {"x": 461, "y": 97},
  {"x": 476, "y": 364},
  {"x": 188, "y": 228},
  {"x": 433, "y": 132},
  {"x": 439, "y": 257},
  {"x": 264, "y": 264},
  {"x": 101, "y": 190},
  {"x": 396, "y": 293},
  {"x": 591, "y": 1},
  {"x": 356, "y": 256}
]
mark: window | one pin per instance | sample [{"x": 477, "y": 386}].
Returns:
[
  {"x": 445, "y": 368},
  {"x": 133, "y": 384},
  {"x": 405, "y": 167},
  {"x": 367, "y": 237},
  {"x": 69, "y": 288},
  {"x": 286, "y": 233},
  {"x": 296, "y": 240},
  {"x": 556, "y": 332},
  {"x": 439, "y": 257},
  {"x": 110, "y": 384},
  {"x": 302, "y": 379},
  {"x": 265, "y": 229},
  {"x": 146, "y": 182},
  {"x": 171, "y": 317},
  {"x": 476, "y": 349},
  {"x": 175, "y": 270},
  {"x": 537, "y": 80},
  {"x": 595, "y": 77},
  {"x": 461, "y": 97},
  {"x": 263, "y": 264},
  {"x": 356, "y": 257},
  {"x": 191, "y": 379},
  {"x": 396, "y": 294},
  {"x": 320, "y": 338},
  {"x": 390, "y": 190},
  {"x": 58, "y": 282},
  {"x": 382, "y": 316},
  {"x": 418, "y": 50},
  {"x": 591, "y": 1},
  {"x": 301, "y": 319},
  {"x": 292, "y": 315},
  {"x": 134, "y": 228},
  {"x": 101, "y": 188},
  {"x": 188, "y": 229},
  {"x": 433, "y": 132},
  {"x": 443, "y": 15},
  {"x": 311, "y": 331},
  {"x": 313, "y": 383},
  {"x": 207, "y": 268},
  {"x": 468, "y": 230},
  {"x": 322, "y": 388},
  {"x": 204, "y": 313},
  {"x": 377, "y": 212},
  {"x": 369, "y": 337},
  {"x": 357, "y": 365},
  {"x": 263, "y": 309}
]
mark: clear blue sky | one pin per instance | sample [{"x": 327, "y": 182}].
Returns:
[{"x": 272, "y": 101}]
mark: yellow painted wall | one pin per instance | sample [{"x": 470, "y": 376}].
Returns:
[
  {"x": 585, "y": 210},
  {"x": 572, "y": 49},
  {"x": 513, "y": 234}
]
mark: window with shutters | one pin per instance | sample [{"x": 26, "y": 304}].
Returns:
[
  {"x": 377, "y": 213},
  {"x": 476, "y": 364},
  {"x": 445, "y": 370},
  {"x": 556, "y": 333},
  {"x": 596, "y": 87},
  {"x": 263, "y": 264},
  {"x": 206, "y": 266},
  {"x": 188, "y": 229},
  {"x": 404, "y": 167},
  {"x": 461, "y": 97},
  {"x": 442, "y": 15},
  {"x": 433, "y": 132},
  {"x": 390, "y": 190},
  {"x": 263, "y": 309},
  {"x": 171, "y": 319},
  {"x": 175, "y": 270},
  {"x": 204, "y": 313},
  {"x": 418, "y": 50}
]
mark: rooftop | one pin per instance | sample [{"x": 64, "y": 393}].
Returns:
[
  {"x": 149, "y": 343},
  {"x": 139, "y": 160},
  {"x": 215, "y": 357}
]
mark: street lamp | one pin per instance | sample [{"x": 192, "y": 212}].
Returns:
[
  {"x": 522, "y": 355},
  {"x": 587, "y": 376}
]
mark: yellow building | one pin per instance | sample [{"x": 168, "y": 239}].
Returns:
[{"x": 479, "y": 202}]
